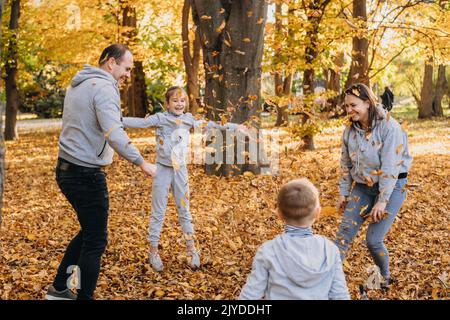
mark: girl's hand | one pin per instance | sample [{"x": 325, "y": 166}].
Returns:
[
  {"x": 378, "y": 211},
  {"x": 341, "y": 203},
  {"x": 242, "y": 128}
]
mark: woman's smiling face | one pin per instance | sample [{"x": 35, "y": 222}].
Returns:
[{"x": 357, "y": 108}]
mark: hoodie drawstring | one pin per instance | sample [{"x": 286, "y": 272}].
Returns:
[{"x": 298, "y": 231}]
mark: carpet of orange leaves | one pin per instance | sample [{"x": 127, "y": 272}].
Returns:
[{"x": 233, "y": 216}]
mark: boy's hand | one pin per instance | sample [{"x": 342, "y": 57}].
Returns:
[
  {"x": 341, "y": 203},
  {"x": 148, "y": 168},
  {"x": 378, "y": 211}
]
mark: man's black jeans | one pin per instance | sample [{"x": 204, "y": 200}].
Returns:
[{"x": 87, "y": 192}]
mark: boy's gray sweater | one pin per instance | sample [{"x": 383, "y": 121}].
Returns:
[{"x": 92, "y": 121}]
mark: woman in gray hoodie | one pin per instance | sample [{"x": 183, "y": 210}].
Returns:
[{"x": 375, "y": 160}]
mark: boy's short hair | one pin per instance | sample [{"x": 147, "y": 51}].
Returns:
[{"x": 298, "y": 199}]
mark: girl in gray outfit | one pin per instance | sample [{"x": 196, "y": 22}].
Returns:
[{"x": 172, "y": 139}]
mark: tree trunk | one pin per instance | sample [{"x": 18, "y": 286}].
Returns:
[
  {"x": 315, "y": 13},
  {"x": 12, "y": 93},
  {"x": 333, "y": 82},
  {"x": 232, "y": 38},
  {"x": 283, "y": 87},
  {"x": 359, "y": 72},
  {"x": 441, "y": 88},
  {"x": 134, "y": 95},
  {"x": 426, "y": 94},
  {"x": 2, "y": 143},
  {"x": 191, "y": 61}
]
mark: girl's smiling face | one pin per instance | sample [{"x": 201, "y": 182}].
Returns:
[{"x": 177, "y": 103}]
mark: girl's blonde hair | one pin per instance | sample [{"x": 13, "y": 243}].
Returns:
[{"x": 178, "y": 91}]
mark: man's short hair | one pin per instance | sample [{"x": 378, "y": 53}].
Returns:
[
  {"x": 116, "y": 51},
  {"x": 298, "y": 199}
]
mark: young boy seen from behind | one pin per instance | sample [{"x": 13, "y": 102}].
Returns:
[{"x": 297, "y": 264}]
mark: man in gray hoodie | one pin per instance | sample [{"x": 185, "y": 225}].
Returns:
[
  {"x": 297, "y": 264},
  {"x": 92, "y": 130}
]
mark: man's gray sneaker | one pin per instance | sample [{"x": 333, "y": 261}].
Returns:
[
  {"x": 155, "y": 261},
  {"x": 53, "y": 294}
]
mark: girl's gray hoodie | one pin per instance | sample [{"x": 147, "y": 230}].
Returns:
[{"x": 373, "y": 157}]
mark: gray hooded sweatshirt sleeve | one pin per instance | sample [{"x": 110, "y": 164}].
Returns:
[
  {"x": 92, "y": 126},
  {"x": 172, "y": 134},
  {"x": 107, "y": 109}
]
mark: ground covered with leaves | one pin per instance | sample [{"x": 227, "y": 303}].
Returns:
[{"x": 233, "y": 217}]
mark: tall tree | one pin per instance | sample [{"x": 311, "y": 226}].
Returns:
[
  {"x": 232, "y": 38},
  {"x": 2, "y": 144},
  {"x": 360, "y": 47},
  {"x": 12, "y": 93},
  {"x": 283, "y": 77},
  {"x": 315, "y": 11},
  {"x": 441, "y": 89},
  {"x": 191, "y": 60},
  {"x": 134, "y": 96},
  {"x": 333, "y": 81},
  {"x": 427, "y": 92}
]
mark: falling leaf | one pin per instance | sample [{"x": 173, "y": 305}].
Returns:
[
  {"x": 175, "y": 164},
  {"x": 260, "y": 21},
  {"x": 246, "y": 40},
  {"x": 221, "y": 27},
  {"x": 107, "y": 134},
  {"x": 362, "y": 210},
  {"x": 204, "y": 17},
  {"x": 329, "y": 211},
  {"x": 399, "y": 149},
  {"x": 249, "y": 13},
  {"x": 239, "y": 52},
  {"x": 369, "y": 181}
]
